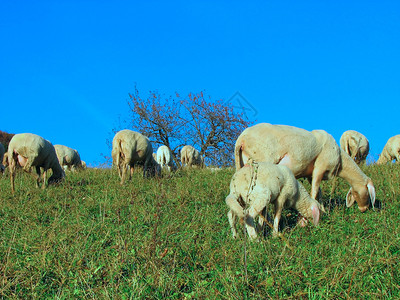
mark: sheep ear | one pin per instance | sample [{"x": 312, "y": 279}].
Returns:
[
  {"x": 371, "y": 191},
  {"x": 315, "y": 214},
  {"x": 349, "y": 198}
]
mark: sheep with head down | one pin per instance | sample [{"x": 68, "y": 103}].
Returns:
[
  {"x": 30, "y": 150},
  {"x": 191, "y": 157},
  {"x": 258, "y": 184},
  {"x": 130, "y": 148},
  {"x": 314, "y": 155},
  {"x": 355, "y": 145},
  {"x": 69, "y": 158},
  {"x": 391, "y": 151},
  {"x": 164, "y": 158}
]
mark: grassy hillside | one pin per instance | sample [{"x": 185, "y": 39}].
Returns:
[{"x": 169, "y": 238}]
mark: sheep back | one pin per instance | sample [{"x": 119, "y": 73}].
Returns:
[
  {"x": 132, "y": 147},
  {"x": 391, "y": 150},
  {"x": 68, "y": 156},
  {"x": 271, "y": 143}
]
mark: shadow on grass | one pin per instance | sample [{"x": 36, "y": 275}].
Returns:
[{"x": 333, "y": 203}]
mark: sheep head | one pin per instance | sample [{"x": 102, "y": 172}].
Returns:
[{"x": 363, "y": 196}]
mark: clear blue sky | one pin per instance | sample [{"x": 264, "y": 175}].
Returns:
[{"x": 66, "y": 67}]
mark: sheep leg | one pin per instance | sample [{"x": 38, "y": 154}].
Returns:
[
  {"x": 232, "y": 223},
  {"x": 131, "y": 170},
  {"x": 44, "y": 179},
  {"x": 123, "y": 177},
  {"x": 315, "y": 183},
  {"x": 12, "y": 167},
  {"x": 278, "y": 213},
  {"x": 37, "y": 176},
  {"x": 119, "y": 170}
]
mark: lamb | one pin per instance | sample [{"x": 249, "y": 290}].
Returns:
[
  {"x": 355, "y": 144},
  {"x": 314, "y": 155},
  {"x": 258, "y": 184},
  {"x": 391, "y": 151},
  {"x": 2, "y": 151},
  {"x": 69, "y": 158},
  {"x": 164, "y": 158},
  {"x": 30, "y": 150},
  {"x": 129, "y": 148},
  {"x": 191, "y": 157}
]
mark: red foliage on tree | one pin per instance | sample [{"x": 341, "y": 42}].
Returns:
[
  {"x": 5, "y": 138},
  {"x": 210, "y": 126}
]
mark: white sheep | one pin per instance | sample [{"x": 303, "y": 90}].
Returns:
[
  {"x": 391, "y": 151},
  {"x": 191, "y": 157},
  {"x": 2, "y": 151},
  {"x": 130, "y": 148},
  {"x": 69, "y": 158},
  {"x": 164, "y": 158},
  {"x": 258, "y": 184},
  {"x": 30, "y": 150},
  {"x": 355, "y": 144},
  {"x": 314, "y": 155}
]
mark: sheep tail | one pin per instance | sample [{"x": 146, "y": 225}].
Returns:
[
  {"x": 118, "y": 148},
  {"x": 239, "y": 156}
]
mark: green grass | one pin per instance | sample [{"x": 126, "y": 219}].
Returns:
[{"x": 169, "y": 238}]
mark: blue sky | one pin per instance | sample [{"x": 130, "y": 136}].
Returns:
[{"x": 66, "y": 67}]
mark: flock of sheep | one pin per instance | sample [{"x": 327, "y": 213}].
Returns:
[{"x": 268, "y": 158}]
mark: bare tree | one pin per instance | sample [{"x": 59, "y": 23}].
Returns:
[{"x": 210, "y": 126}]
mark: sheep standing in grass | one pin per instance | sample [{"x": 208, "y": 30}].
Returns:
[
  {"x": 258, "y": 184},
  {"x": 69, "y": 158},
  {"x": 355, "y": 144},
  {"x": 314, "y": 155},
  {"x": 391, "y": 151},
  {"x": 191, "y": 157},
  {"x": 2, "y": 151},
  {"x": 164, "y": 158},
  {"x": 130, "y": 148},
  {"x": 30, "y": 150}
]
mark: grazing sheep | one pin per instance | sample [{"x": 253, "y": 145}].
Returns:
[
  {"x": 2, "y": 151},
  {"x": 83, "y": 165},
  {"x": 69, "y": 158},
  {"x": 314, "y": 155},
  {"x": 164, "y": 158},
  {"x": 391, "y": 151},
  {"x": 130, "y": 148},
  {"x": 258, "y": 184},
  {"x": 191, "y": 157},
  {"x": 355, "y": 144},
  {"x": 30, "y": 150}
]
